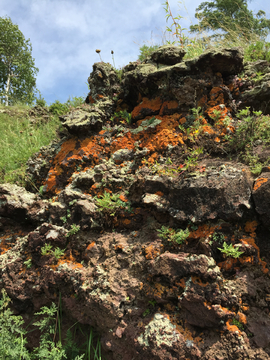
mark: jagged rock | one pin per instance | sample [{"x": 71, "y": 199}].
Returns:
[
  {"x": 18, "y": 204},
  {"x": 261, "y": 196},
  {"x": 168, "y": 55},
  {"x": 186, "y": 80},
  {"x": 176, "y": 266},
  {"x": 122, "y": 155},
  {"x": 197, "y": 198},
  {"x": 103, "y": 81},
  {"x": 83, "y": 122}
]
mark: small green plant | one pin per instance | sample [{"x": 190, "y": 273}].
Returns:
[
  {"x": 192, "y": 159},
  {"x": 123, "y": 114},
  {"x": 230, "y": 251},
  {"x": 216, "y": 115},
  {"x": 28, "y": 263},
  {"x": 175, "y": 236},
  {"x": 238, "y": 324},
  {"x": 74, "y": 229},
  {"x": 64, "y": 219},
  {"x": 218, "y": 237},
  {"x": 110, "y": 203},
  {"x": 146, "y": 312},
  {"x": 57, "y": 253},
  {"x": 46, "y": 249},
  {"x": 259, "y": 76}
]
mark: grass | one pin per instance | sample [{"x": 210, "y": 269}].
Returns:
[
  {"x": 19, "y": 139},
  {"x": 13, "y": 336}
]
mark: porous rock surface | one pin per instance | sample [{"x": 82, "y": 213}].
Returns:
[{"x": 109, "y": 189}]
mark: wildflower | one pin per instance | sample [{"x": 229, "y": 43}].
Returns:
[{"x": 98, "y": 52}]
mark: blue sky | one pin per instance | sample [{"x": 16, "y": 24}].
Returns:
[{"x": 65, "y": 34}]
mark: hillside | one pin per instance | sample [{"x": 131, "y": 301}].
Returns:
[{"x": 148, "y": 215}]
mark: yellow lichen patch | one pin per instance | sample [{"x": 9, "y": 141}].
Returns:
[{"x": 259, "y": 182}]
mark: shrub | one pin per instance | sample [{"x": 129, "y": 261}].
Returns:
[
  {"x": 58, "y": 108},
  {"x": 258, "y": 51},
  {"x": 146, "y": 51}
]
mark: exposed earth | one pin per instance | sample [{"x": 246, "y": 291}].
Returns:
[{"x": 162, "y": 229}]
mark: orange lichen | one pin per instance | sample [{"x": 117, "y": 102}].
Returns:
[
  {"x": 251, "y": 227},
  {"x": 231, "y": 327},
  {"x": 155, "y": 291},
  {"x": 159, "y": 193},
  {"x": 123, "y": 198},
  {"x": 168, "y": 105},
  {"x": 152, "y": 251},
  {"x": 228, "y": 264},
  {"x": 182, "y": 120},
  {"x": 242, "y": 317},
  {"x": 9, "y": 239},
  {"x": 153, "y": 104},
  {"x": 203, "y": 231},
  {"x": 198, "y": 281},
  {"x": 259, "y": 182},
  {"x": 65, "y": 160},
  {"x": 202, "y": 101},
  {"x": 90, "y": 246},
  {"x": 207, "y": 129},
  {"x": 216, "y": 96},
  {"x": 250, "y": 240},
  {"x": 181, "y": 283}
]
